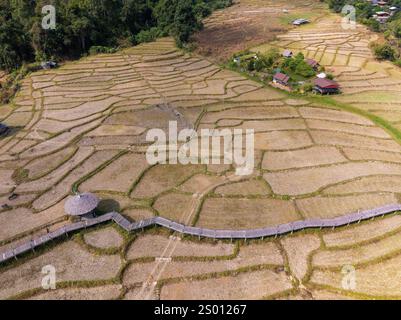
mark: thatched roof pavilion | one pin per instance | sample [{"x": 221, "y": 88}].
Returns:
[{"x": 81, "y": 204}]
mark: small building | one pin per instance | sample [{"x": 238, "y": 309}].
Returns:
[
  {"x": 382, "y": 16},
  {"x": 4, "y": 130},
  {"x": 281, "y": 78},
  {"x": 299, "y": 22},
  {"x": 313, "y": 63},
  {"x": 382, "y": 3},
  {"x": 322, "y": 75},
  {"x": 287, "y": 54},
  {"x": 326, "y": 86},
  {"x": 82, "y": 205}
]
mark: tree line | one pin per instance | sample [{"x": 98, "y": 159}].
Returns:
[{"x": 97, "y": 24}]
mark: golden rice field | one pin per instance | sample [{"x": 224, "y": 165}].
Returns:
[{"x": 82, "y": 127}]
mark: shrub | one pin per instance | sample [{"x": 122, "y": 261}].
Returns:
[
  {"x": 385, "y": 51},
  {"x": 305, "y": 70},
  {"x": 148, "y": 35},
  {"x": 307, "y": 87},
  {"x": 329, "y": 76},
  {"x": 251, "y": 65},
  {"x": 100, "y": 49}
]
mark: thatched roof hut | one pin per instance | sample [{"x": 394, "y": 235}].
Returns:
[{"x": 81, "y": 204}]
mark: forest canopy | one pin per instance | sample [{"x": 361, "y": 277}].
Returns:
[{"x": 99, "y": 24}]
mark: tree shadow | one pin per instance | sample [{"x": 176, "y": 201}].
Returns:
[{"x": 107, "y": 205}]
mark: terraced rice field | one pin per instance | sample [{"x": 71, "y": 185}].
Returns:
[
  {"x": 250, "y": 22},
  {"x": 104, "y": 264},
  {"x": 367, "y": 84},
  {"x": 82, "y": 127}
]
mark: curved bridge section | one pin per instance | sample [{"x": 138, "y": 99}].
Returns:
[{"x": 199, "y": 232}]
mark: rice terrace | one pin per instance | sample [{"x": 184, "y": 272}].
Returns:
[{"x": 317, "y": 217}]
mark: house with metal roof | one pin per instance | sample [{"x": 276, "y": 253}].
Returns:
[
  {"x": 326, "y": 86},
  {"x": 281, "y": 78}
]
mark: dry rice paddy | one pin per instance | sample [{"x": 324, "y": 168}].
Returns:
[{"x": 83, "y": 127}]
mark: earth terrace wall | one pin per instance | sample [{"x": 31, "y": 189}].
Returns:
[{"x": 199, "y": 232}]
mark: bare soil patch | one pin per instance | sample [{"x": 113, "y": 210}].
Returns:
[
  {"x": 110, "y": 292},
  {"x": 164, "y": 177},
  {"x": 253, "y": 255},
  {"x": 104, "y": 238},
  {"x": 244, "y": 188},
  {"x": 298, "y": 250},
  {"x": 72, "y": 263},
  {"x": 118, "y": 176},
  {"x": 308, "y": 157},
  {"x": 154, "y": 246},
  {"x": 324, "y": 207},
  {"x": 310, "y": 180},
  {"x": 223, "y": 213},
  {"x": 358, "y": 254},
  {"x": 356, "y": 234},
  {"x": 253, "y": 285}
]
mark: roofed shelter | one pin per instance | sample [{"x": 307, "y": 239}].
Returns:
[
  {"x": 83, "y": 205},
  {"x": 326, "y": 86},
  {"x": 281, "y": 78}
]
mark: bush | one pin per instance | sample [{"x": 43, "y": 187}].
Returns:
[
  {"x": 100, "y": 49},
  {"x": 306, "y": 87},
  {"x": 329, "y": 76},
  {"x": 202, "y": 10},
  {"x": 251, "y": 65},
  {"x": 385, "y": 51},
  {"x": 148, "y": 35},
  {"x": 259, "y": 65},
  {"x": 221, "y": 4},
  {"x": 305, "y": 70}
]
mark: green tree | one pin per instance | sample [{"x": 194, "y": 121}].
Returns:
[
  {"x": 14, "y": 42},
  {"x": 185, "y": 21}
]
